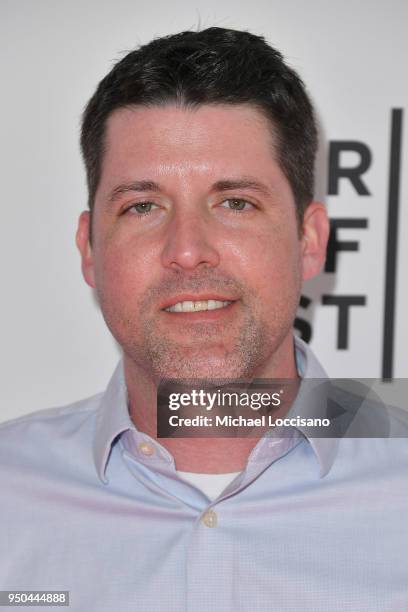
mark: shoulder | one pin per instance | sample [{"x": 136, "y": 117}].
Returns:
[
  {"x": 52, "y": 417},
  {"x": 40, "y": 436}
]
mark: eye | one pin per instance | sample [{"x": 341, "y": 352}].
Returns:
[
  {"x": 237, "y": 204},
  {"x": 141, "y": 208}
]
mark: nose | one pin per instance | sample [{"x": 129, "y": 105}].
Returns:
[{"x": 190, "y": 243}]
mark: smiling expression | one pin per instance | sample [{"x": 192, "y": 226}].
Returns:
[{"x": 196, "y": 255}]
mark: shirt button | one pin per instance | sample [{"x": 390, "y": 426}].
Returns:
[
  {"x": 209, "y": 518},
  {"x": 146, "y": 449}
]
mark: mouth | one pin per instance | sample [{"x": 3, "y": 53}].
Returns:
[{"x": 197, "y": 305}]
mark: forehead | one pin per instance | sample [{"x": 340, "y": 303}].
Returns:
[
  {"x": 188, "y": 129},
  {"x": 194, "y": 145}
]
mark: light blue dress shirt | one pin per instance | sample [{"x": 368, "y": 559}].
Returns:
[{"x": 91, "y": 505}]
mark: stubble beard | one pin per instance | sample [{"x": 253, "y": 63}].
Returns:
[
  {"x": 206, "y": 356},
  {"x": 206, "y": 351}
]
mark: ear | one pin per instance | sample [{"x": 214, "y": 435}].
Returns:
[
  {"x": 315, "y": 234},
  {"x": 84, "y": 247}
]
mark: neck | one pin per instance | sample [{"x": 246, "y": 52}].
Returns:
[{"x": 206, "y": 455}]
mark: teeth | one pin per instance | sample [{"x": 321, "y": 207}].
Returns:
[{"x": 196, "y": 306}]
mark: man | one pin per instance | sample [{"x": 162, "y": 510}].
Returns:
[{"x": 199, "y": 150}]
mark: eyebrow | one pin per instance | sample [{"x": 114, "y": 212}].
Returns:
[
  {"x": 241, "y": 183},
  {"x": 133, "y": 186},
  {"x": 219, "y": 186}
]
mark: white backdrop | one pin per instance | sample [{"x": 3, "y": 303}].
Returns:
[{"x": 353, "y": 57}]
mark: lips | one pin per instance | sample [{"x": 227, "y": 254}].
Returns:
[{"x": 197, "y": 305}]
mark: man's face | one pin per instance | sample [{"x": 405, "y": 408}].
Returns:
[{"x": 193, "y": 211}]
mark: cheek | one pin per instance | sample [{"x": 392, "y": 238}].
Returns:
[
  {"x": 123, "y": 270},
  {"x": 270, "y": 261}
]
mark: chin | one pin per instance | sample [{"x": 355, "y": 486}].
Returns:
[{"x": 211, "y": 370}]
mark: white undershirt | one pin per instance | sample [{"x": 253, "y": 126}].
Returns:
[
  {"x": 214, "y": 484},
  {"x": 211, "y": 484}
]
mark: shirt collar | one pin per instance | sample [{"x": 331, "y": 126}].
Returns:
[
  {"x": 113, "y": 416},
  {"x": 309, "y": 366},
  {"x": 112, "y": 419}
]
